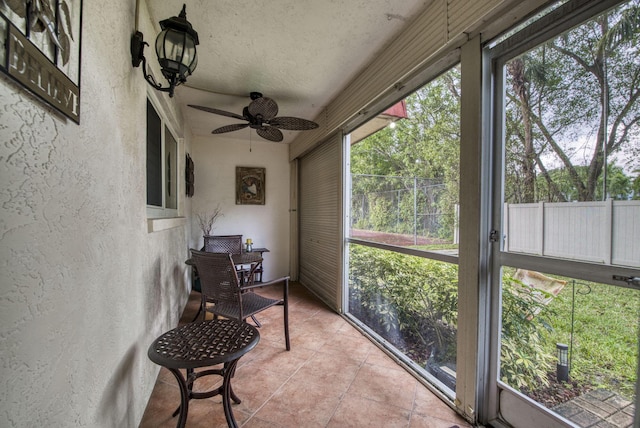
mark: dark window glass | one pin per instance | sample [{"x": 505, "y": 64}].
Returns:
[{"x": 154, "y": 157}]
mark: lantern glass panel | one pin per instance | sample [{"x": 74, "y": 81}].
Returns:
[
  {"x": 176, "y": 52},
  {"x": 189, "y": 58},
  {"x": 563, "y": 354}
]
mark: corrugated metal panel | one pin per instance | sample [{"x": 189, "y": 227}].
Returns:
[
  {"x": 320, "y": 220},
  {"x": 294, "y": 231}
]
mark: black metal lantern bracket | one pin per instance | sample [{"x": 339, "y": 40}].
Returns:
[{"x": 175, "y": 69}]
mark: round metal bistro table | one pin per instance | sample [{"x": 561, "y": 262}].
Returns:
[{"x": 204, "y": 344}]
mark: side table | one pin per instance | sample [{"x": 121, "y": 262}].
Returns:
[
  {"x": 259, "y": 270},
  {"x": 204, "y": 344}
]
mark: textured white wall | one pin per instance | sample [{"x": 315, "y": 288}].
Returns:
[
  {"x": 84, "y": 287},
  {"x": 215, "y": 160}
]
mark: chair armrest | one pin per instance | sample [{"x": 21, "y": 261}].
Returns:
[{"x": 284, "y": 279}]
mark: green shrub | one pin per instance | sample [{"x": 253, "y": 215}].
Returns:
[
  {"x": 406, "y": 300},
  {"x": 524, "y": 363},
  {"x": 379, "y": 214},
  {"x": 413, "y": 303}
]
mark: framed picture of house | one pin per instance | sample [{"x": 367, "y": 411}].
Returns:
[{"x": 249, "y": 185}]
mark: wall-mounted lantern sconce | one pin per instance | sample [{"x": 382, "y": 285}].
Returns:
[
  {"x": 176, "y": 50},
  {"x": 562, "y": 365}
]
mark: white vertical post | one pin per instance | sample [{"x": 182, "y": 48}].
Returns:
[
  {"x": 456, "y": 224},
  {"x": 540, "y": 228},
  {"x": 505, "y": 227},
  {"x": 473, "y": 328},
  {"x": 608, "y": 232}
]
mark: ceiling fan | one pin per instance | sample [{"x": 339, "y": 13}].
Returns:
[{"x": 260, "y": 115}]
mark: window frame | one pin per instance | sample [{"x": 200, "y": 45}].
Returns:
[
  {"x": 166, "y": 126},
  {"x": 495, "y": 54},
  {"x": 429, "y": 74}
]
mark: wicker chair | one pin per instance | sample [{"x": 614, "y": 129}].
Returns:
[
  {"x": 221, "y": 285},
  {"x": 230, "y": 244},
  {"x": 226, "y": 244},
  {"x": 223, "y": 244}
]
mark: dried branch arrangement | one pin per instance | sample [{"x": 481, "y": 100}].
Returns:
[{"x": 207, "y": 219}]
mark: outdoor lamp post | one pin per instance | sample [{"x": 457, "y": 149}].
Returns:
[
  {"x": 176, "y": 50},
  {"x": 562, "y": 366}
]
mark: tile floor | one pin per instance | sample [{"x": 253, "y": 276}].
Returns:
[{"x": 332, "y": 377}]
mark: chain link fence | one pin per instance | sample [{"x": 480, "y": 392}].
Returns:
[{"x": 420, "y": 207}]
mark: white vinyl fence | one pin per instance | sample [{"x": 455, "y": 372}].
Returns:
[{"x": 605, "y": 232}]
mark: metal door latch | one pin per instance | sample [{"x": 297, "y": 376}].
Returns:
[{"x": 493, "y": 236}]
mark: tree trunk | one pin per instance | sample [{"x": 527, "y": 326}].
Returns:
[{"x": 516, "y": 70}]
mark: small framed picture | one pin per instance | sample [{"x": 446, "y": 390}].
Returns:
[{"x": 249, "y": 185}]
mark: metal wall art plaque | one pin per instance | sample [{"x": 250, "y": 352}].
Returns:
[
  {"x": 40, "y": 49},
  {"x": 249, "y": 186}
]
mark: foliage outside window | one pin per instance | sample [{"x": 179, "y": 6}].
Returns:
[
  {"x": 409, "y": 301},
  {"x": 412, "y": 303},
  {"x": 404, "y": 192},
  {"x": 405, "y": 178},
  {"x": 571, "y": 131},
  {"x": 573, "y": 114}
]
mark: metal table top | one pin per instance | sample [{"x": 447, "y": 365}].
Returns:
[{"x": 204, "y": 343}]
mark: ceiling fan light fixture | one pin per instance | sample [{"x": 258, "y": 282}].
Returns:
[{"x": 175, "y": 48}]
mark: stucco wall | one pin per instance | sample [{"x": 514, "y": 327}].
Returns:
[
  {"x": 84, "y": 287},
  {"x": 215, "y": 160}
]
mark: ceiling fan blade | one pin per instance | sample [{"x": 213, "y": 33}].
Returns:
[
  {"x": 270, "y": 133},
  {"x": 216, "y": 111},
  {"x": 229, "y": 128},
  {"x": 263, "y": 106},
  {"x": 292, "y": 123}
]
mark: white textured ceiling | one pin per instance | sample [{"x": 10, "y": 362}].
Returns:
[{"x": 301, "y": 53}]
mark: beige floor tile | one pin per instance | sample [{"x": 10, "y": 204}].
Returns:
[
  {"x": 384, "y": 385},
  {"x": 163, "y": 401},
  {"x": 356, "y": 347},
  {"x": 428, "y": 404},
  {"x": 330, "y": 372},
  {"x": 256, "y": 422},
  {"x": 254, "y": 385},
  {"x": 379, "y": 357},
  {"x": 422, "y": 421},
  {"x": 274, "y": 357},
  {"x": 301, "y": 404},
  {"x": 332, "y": 377},
  {"x": 355, "y": 411}
]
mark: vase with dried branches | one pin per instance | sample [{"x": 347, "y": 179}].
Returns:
[{"x": 207, "y": 219}]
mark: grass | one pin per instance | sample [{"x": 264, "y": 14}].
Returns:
[{"x": 605, "y": 333}]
